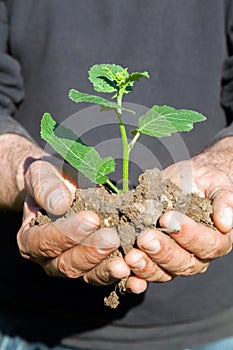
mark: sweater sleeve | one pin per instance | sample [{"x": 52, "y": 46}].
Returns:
[
  {"x": 11, "y": 82},
  {"x": 227, "y": 76}
]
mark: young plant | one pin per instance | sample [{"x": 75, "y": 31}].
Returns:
[{"x": 158, "y": 122}]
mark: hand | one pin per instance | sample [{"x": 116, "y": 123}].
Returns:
[
  {"x": 160, "y": 258},
  {"x": 72, "y": 247}
]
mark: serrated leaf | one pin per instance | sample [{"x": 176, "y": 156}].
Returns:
[
  {"x": 84, "y": 158},
  {"x": 135, "y": 76},
  {"x": 101, "y": 76},
  {"x": 131, "y": 79},
  {"x": 78, "y": 97},
  {"x": 112, "y": 78},
  {"x": 162, "y": 121}
]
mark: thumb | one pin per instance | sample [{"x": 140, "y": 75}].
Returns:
[
  {"x": 223, "y": 209},
  {"x": 50, "y": 189}
]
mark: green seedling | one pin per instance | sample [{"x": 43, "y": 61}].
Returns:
[{"x": 159, "y": 121}]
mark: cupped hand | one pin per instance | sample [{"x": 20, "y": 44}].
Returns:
[
  {"x": 72, "y": 247},
  {"x": 190, "y": 246}
]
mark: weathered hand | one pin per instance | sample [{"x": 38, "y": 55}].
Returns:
[
  {"x": 191, "y": 249},
  {"x": 72, "y": 247}
]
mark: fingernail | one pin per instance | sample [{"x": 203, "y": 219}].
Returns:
[
  {"x": 152, "y": 246},
  {"x": 228, "y": 217},
  {"x": 55, "y": 197},
  {"x": 86, "y": 227},
  {"x": 107, "y": 239},
  {"x": 173, "y": 224},
  {"x": 139, "y": 265}
]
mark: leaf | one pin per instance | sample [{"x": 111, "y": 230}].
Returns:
[
  {"x": 135, "y": 76},
  {"x": 127, "y": 86},
  {"x": 162, "y": 121},
  {"x": 77, "y": 97},
  {"x": 102, "y": 77},
  {"x": 84, "y": 158},
  {"x": 113, "y": 78}
]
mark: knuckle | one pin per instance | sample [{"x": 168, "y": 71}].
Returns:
[
  {"x": 66, "y": 269},
  {"x": 212, "y": 253},
  {"x": 194, "y": 266},
  {"x": 217, "y": 249},
  {"x": 96, "y": 278},
  {"x": 100, "y": 275},
  {"x": 225, "y": 191},
  {"x": 160, "y": 276},
  {"x": 93, "y": 258},
  {"x": 228, "y": 250},
  {"x": 157, "y": 274},
  {"x": 166, "y": 255},
  {"x": 50, "y": 267},
  {"x": 189, "y": 268},
  {"x": 47, "y": 248},
  {"x": 228, "y": 245}
]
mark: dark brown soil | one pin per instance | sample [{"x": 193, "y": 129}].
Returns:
[{"x": 136, "y": 210}]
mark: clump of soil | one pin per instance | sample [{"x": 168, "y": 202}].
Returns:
[{"x": 135, "y": 210}]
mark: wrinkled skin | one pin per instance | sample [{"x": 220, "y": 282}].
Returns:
[{"x": 76, "y": 247}]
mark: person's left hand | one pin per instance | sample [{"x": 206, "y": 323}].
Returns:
[{"x": 190, "y": 246}]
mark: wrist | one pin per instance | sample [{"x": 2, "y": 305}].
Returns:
[
  {"x": 219, "y": 155},
  {"x": 16, "y": 152}
]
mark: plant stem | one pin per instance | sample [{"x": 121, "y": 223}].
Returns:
[
  {"x": 134, "y": 140},
  {"x": 125, "y": 146},
  {"x": 113, "y": 187}
]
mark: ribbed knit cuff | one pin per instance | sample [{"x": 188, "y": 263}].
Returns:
[{"x": 10, "y": 125}]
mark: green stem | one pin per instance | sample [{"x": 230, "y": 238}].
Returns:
[
  {"x": 125, "y": 146},
  {"x": 113, "y": 187},
  {"x": 134, "y": 140}
]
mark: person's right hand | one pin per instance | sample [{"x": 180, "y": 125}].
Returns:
[{"x": 72, "y": 247}]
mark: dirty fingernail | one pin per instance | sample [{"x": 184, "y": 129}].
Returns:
[
  {"x": 152, "y": 246},
  {"x": 172, "y": 223},
  {"x": 173, "y": 226}
]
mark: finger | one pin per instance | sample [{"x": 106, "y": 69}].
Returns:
[
  {"x": 208, "y": 182},
  {"x": 30, "y": 210},
  {"x": 143, "y": 266},
  {"x": 222, "y": 203},
  {"x": 168, "y": 255},
  {"x": 50, "y": 189},
  {"x": 52, "y": 239},
  {"x": 107, "y": 272},
  {"x": 216, "y": 186},
  {"x": 82, "y": 258},
  {"x": 136, "y": 285},
  {"x": 202, "y": 241}
]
